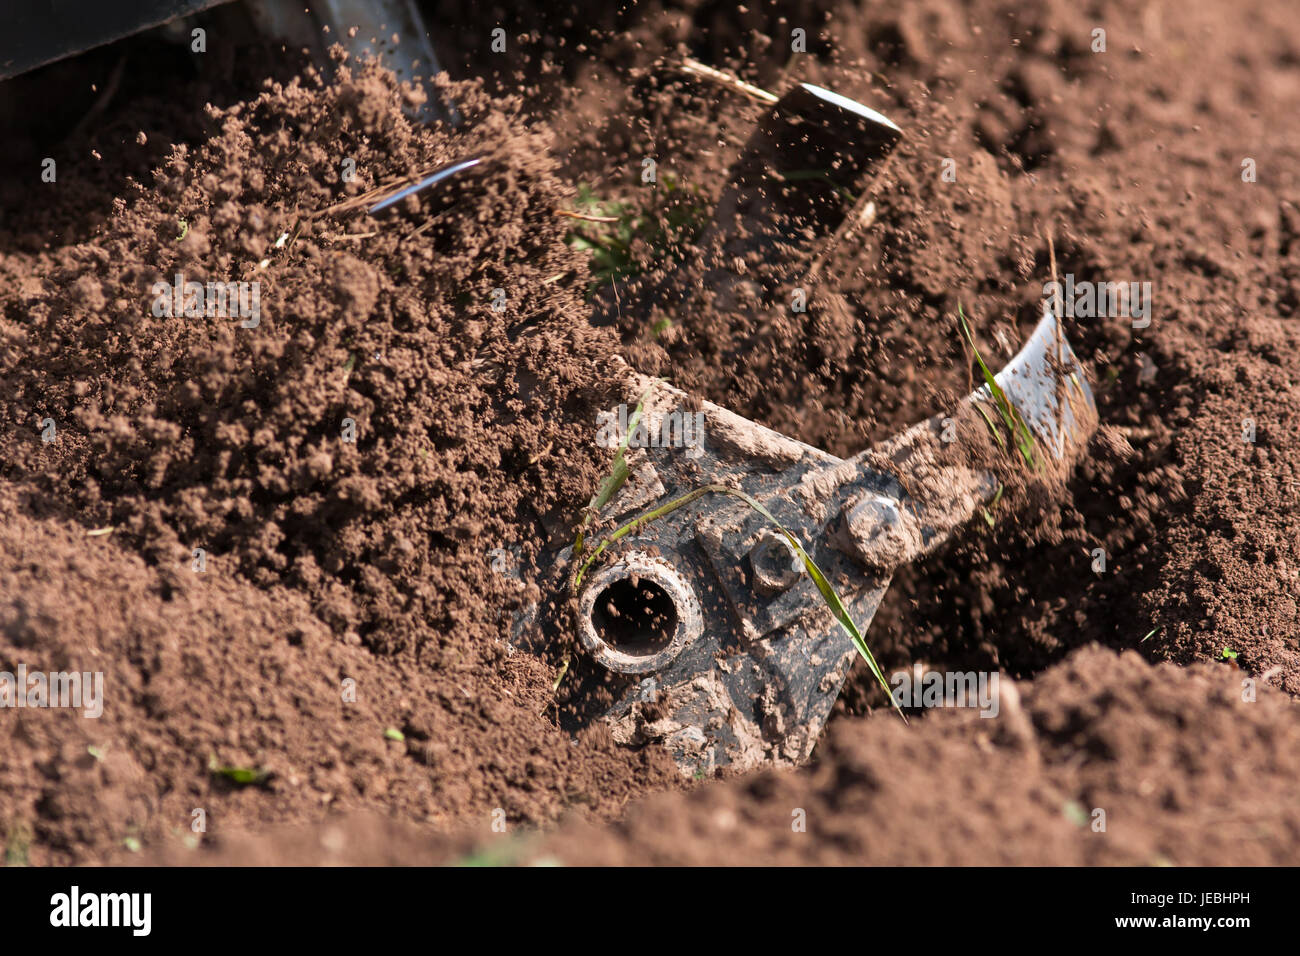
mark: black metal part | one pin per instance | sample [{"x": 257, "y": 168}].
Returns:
[
  {"x": 759, "y": 678},
  {"x": 34, "y": 34}
]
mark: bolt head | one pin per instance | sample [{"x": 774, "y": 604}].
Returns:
[
  {"x": 775, "y": 565},
  {"x": 877, "y": 535}
]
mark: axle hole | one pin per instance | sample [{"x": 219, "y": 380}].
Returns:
[{"x": 637, "y": 617}]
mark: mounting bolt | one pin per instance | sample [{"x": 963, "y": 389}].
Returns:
[
  {"x": 775, "y": 564},
  {"x": 877, "y": 534}
]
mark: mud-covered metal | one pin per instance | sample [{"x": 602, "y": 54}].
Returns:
[{"x": 749, "y": 660}]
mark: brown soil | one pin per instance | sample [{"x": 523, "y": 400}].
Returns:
[
  {"x": 1145, "y": 745},
  {"x": 328, "y": 560}
]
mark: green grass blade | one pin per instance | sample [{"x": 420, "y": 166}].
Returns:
[
  {"x": 612, "y": 482},
  {"x": 1011, "y": 416},
  {"x": 993, "y": 429},
  {"x": 993, "y": 506}
]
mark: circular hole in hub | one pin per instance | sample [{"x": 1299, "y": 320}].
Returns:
[{"x": 635, "y": 617}]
